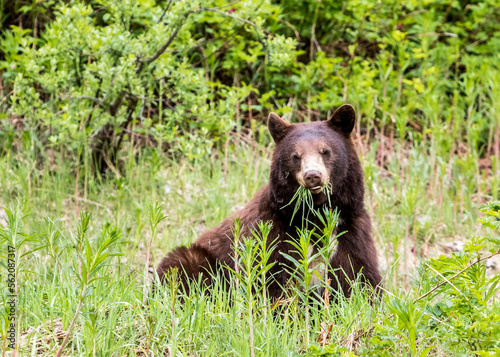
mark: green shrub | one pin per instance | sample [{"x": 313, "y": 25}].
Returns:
[
  {"x": 459, "y": 309},
  {"x": 183, "y": 74},
  {"x": 107, "y": 71}
]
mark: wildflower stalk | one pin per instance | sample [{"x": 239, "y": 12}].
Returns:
[
  {"x": 90, "y": 260},
  {"x": 155, "y": 217}
]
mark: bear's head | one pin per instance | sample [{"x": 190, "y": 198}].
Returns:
[{"x": 314, "y": 155}]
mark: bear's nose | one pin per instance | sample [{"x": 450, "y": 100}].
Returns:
[{"x": 312, "y": 179}]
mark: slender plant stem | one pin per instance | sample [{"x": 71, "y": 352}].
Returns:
[
  {"x": 250, "y": 323},
  {"x": 148, "y": 253},
  {"x": 77, "y": 312}
]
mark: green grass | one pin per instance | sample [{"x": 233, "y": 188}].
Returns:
[
  {"x": 303, "y": 198},
  {"x": 416, "y": 200}
]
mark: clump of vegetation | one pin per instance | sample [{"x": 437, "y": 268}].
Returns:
[
  {"x": 96, "y": 80},
  {"x": 454, "y": 301}
]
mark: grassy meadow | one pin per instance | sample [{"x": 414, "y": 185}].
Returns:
[
  {"x": 414, "y": 218},
  {"x": 128, "y": 128}
]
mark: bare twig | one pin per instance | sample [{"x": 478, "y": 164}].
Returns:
[
  {"x": 177, "y": 29},
  {"x": 447, "y": 34},
  {"x": 443, "y": 22},
  {"x": 97, "y": 100},
  {"x": 107, "y": 93},
  {"x": 164, "y": 12},
  {"x": 446, "y": 280},
  {"x": 445, "y": 16},
  {"x": 4, "y": 98},
  {"x": 416, "y": 308},
  {"x": 164, "y": 47},
  {"x": 475, "y": 43},
  {"x": 297, "y": 36},
  {"x": 213, "y": 9},
  {"x": 371, "y": 328},
  {"x": 227, "y": 5},
  {"x": 110, "y": 164},
  {"x": 217, "y": 50}
]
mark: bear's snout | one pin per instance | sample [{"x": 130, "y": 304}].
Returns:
[
  {"x": 312, "y": 180},
  {"x": 313, "y": 173}
]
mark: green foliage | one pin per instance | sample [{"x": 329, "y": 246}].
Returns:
[
  {"x": 459, "y": 308},
  {"x": 182, "y": 75},
  {"x": 406, "y": 322},
  {"x": 309, "y": 259},
  {"x": 466, "y": 302},
  {"x": 106, "y": 71},
  {"x": 304, "y": 200},
  {"x": 90, "y": 260},
  {"x": 492, "y": 211},
  {"x": 94, "y": 86}
]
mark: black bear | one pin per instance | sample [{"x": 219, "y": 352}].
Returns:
[{"x": 311, "y": 155}]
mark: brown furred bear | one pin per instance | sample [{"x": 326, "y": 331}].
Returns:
[{"x": 309, "y": 155}]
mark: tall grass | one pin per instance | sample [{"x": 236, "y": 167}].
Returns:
[{"x": 418, "y": 202}]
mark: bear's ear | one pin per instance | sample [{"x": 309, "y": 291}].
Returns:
[
  {"x": 277, "y": 127},
  {"x": 343, "y": 119}
]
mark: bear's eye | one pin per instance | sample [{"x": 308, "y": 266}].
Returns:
[
  {"x": 325, "y": 152},
  {"x": 295, "y": 157}
]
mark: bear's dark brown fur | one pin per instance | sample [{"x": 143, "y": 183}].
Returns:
[{"x": 311, "y": 155}]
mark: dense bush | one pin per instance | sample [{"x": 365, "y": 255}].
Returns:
[
  {"x": 102, "y": 71},
  {"x": 184, "y": 74}
]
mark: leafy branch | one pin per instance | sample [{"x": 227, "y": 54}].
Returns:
[
  {"x": 174, "y": 34},
  {"x": 457, "y": 274}
]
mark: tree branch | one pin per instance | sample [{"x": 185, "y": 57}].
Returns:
[
  {"x": 228, "y": 15},
  {"x": 443, "y": 22},
  {"x": 96, "y": 100},
  {"x": 99, "y": 102},
  {"x": 164, "y": 12},
  {"x": 177, "y": 29},
  {"x": 239, "y": 19},
  {"x": 164, "y": 47}
]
